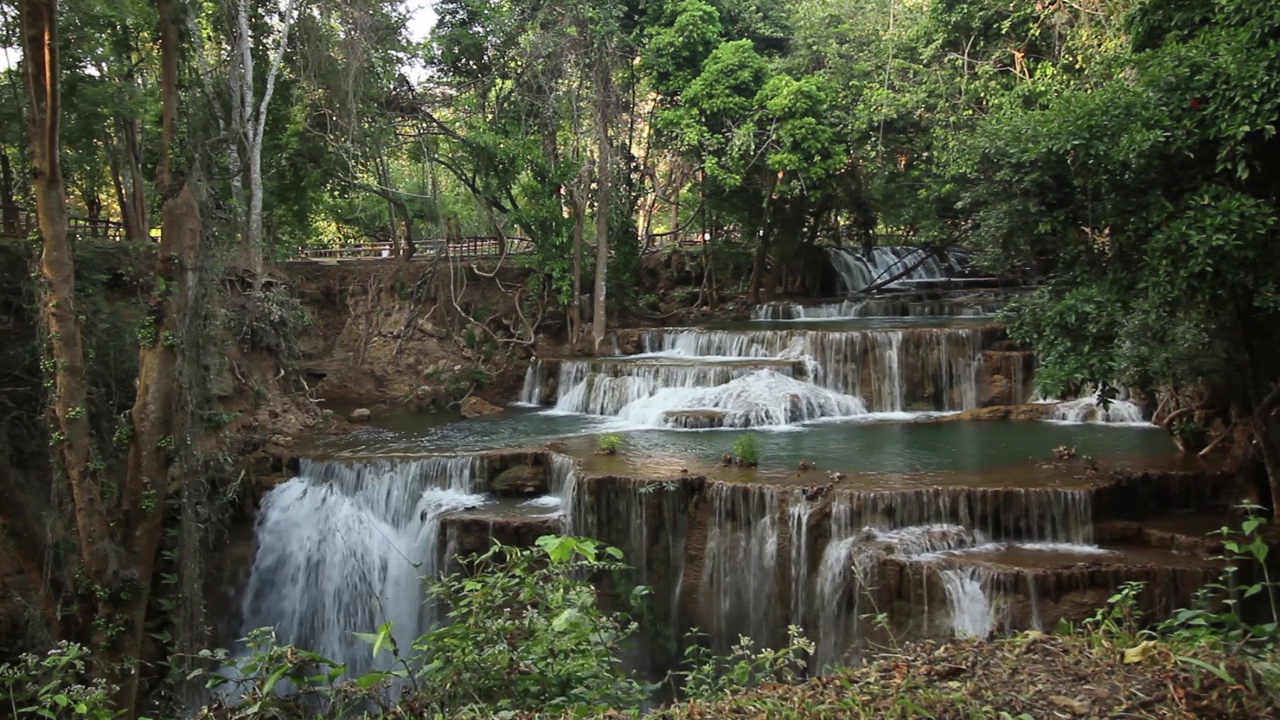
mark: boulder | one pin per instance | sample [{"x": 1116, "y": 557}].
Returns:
[
  {"x": 474, "y": 407},
  {"x": 996, "y": 390},
  {"x": 434, "y": 331},
  {"x": 520, "y": 480},
  {"x": 360, "y": 415},
  {"x": 1035, "y": 411}
]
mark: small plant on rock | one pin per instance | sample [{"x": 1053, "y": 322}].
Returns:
[
  {"x": 746, "y": 450},
  {"x": 609, "y": 444}
]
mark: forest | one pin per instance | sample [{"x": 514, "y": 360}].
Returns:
[{"x": 1119, "y": 158}]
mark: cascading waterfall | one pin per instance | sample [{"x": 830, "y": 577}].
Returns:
[
  {"x": 1091, "y": 409},
  {"x": 758, "y": 534},
  {"x": 972, "y": 614},
  {"x": 342, "y": 549},
  {"x": 535, "y": 379},
  {"x": 860, "y": 269},
  {"x": 893, "y": 370},
  {"x": 739, "y": 576},
  {"x": 878, "y": 307}
]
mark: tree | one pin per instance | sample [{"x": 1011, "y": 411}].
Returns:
[
  {"x": 1147, "y": 197},
  {"x": 249, "y": 117},
  {"x": 118, "y": 532}
]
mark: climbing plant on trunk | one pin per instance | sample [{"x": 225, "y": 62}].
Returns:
[{"x": 117, "y": 524}]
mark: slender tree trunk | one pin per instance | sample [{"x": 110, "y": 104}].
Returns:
[
  {"x": 135, "y": 183},
  {"x": 155, "y": 415},
  {"x": 603, "y": 181},
  {"x": 575, "y": 305},
  {"x": 757, "y": 268},
  {"x": 255, "y": 120},
  {"x": 8, "y": 206}
]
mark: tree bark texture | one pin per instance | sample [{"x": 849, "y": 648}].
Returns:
[
  {"x": 603, "y": 180},
  {"x": 74, "y": 453}
]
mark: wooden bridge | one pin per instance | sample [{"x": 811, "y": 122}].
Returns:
[
  {"x": 20, "y": 223},
  {"x": 460, "y": 247}
]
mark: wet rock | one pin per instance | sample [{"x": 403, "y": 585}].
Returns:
[
  {"x": 694, "y": 419},
  {"x": 474, "y": 407},
  {"x": 520, "y": 480},
  {"x": 1033, "y": 411},
  {"x": 997, "y": 390},
  {"x": 360, "y": 415}
]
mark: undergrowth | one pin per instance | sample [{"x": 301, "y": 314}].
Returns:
[{"x": 528, "y": 637}]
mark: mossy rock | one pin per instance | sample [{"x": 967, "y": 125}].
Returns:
[{"x": 521, "y": 480}]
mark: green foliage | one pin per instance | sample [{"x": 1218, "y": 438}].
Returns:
[
  {"x": 1138, "y": 188},
  {"x": 746, "y": 450},
  {"x": 54, "y": 686},
  {"x": 711, "y": 678},
  {"x": 685, "y": 34},
  {"x": 609, "y": 444},
  {"x": 268, "y": 669},
  {"x": 1224, "y": 609},
  {"x": 527, "y": 633}
]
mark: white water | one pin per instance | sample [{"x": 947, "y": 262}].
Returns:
[
  {"x": 972, "y": 614},
  {"x": 1089, "y": 409},
  {"x": 859, "y": 270},
  {"x": 926, "y": 368},
  {"x": 342, "y": 549},
  {"x": 739, "y": 576},
  {"x": 877, "y": 307}
]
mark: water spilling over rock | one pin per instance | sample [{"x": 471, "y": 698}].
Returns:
[
  {"x": 1091, "y": 409},
  {"x": 907, "y": 306},
  {"x": 968, "y": 600},
  {"x": 892, "y": 370},
  {"x": 860, "y": 269},
  {"x": 341, "y": 548}
]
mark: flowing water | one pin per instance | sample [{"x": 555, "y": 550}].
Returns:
[
  {"x": 907, "y": 525},
  {"x": 342, "y": 546},
  {"x": 859, "y": 270}
]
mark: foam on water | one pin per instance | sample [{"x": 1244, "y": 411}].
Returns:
[
  {"x": 342, "y": 549},
  {"x": 1090, "y": 409}
]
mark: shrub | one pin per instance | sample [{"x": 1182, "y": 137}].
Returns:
[
  {"x": 54, "y": 686},
  {"x": 609, "y": 444},
  {"x": 746, "y": 449},
  {"x": 526, "y": 634}
]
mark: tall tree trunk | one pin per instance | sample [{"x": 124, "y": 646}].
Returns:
[
  {"x": 8, "y": 206},
  {"x": 39, "y": 21},
  {"x": 603, "y": 180},
  {"x": 155, "y": 415},
  {"x": 136, "y": 187},
  {"x": 254, "y": 111},
  {"x": 579, "y": 230}
]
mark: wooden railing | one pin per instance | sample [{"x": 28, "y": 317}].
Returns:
[
  {"x": 463, "y": 247},
  {"x": 17, "y": 222}
]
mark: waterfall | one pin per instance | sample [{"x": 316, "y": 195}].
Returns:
[
  {"x": 342, "y": 549},
  {"x": 535, "y": 379},
  {"x": 878, "y": 307},
  {"x": 799, "y": 513},
  {"x": 971, "y": 612},
  {"x": 892, "y": 370},
  {"x": 1089, "y": 409},
  {"x": 858, "y": 269},
  {"x": 654, "y": 393},
  {"x": 739, "y": 584}
]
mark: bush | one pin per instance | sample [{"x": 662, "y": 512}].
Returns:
[
  {"x": 746, "y": 450},
  {"x": 609, "y": 444},
  {"x": 54, "y": 686},
  {"x": 526, "y": 634}
]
